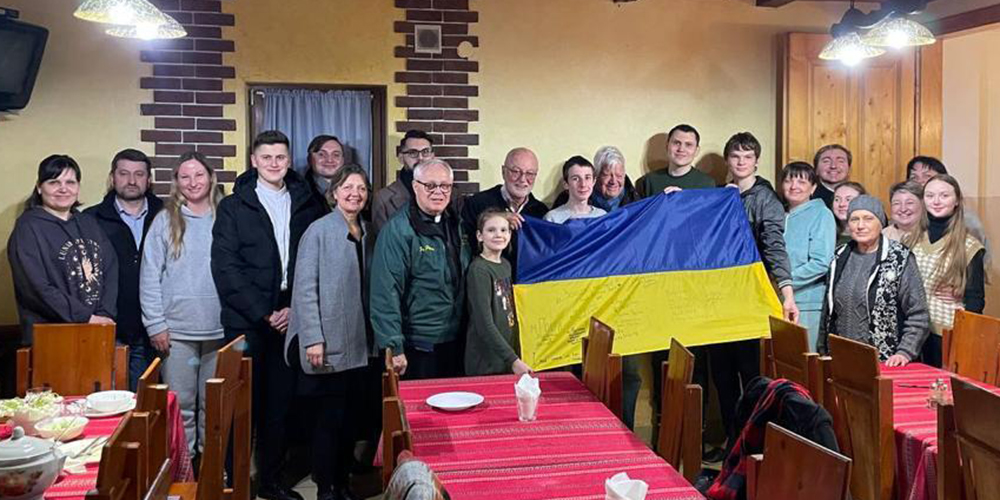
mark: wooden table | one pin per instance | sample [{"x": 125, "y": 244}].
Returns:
[
  {"x": 76, "y": 486},
  {"x": 567, "y": 452},
  {"x": 916, "y": 429}
]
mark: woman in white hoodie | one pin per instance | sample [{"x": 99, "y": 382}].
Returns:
[{"x": 180, "y": 307}]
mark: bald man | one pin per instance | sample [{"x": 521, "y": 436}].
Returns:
[{"x": 520, "y": 168}]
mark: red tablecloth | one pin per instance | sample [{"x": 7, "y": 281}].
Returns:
[
  {"x": 71, "y": 486},
  {"x": 567, "y": 452},
  {"x": 916, "y": 429}
]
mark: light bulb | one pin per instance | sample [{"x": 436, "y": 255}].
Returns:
[{"x": 145, "y": 31}]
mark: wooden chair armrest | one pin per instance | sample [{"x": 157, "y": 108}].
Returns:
[
  {"x": 691, "y": 433},
  {"x": 754, "y": 463}
]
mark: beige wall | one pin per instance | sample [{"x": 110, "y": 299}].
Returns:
[
  {"x": 561, "y": 76},
  {"x": 971, "y": 130}
]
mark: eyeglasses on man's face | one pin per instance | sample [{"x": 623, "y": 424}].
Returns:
[
  {"x": 431, "y": 187},
  {"x": 516, "y": 174},
  {"x": 413, "y": 154}
]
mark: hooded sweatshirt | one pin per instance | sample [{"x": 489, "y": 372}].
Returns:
[
  {"x": 176, "y": 293},
  {"x": 64, "y": 271}
]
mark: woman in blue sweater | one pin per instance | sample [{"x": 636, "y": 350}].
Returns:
[{"x": 810, "y": 236}]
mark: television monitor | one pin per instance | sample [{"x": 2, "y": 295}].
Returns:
[{"x": 21, "y": 48}]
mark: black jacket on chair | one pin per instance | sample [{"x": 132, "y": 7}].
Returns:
[
  {"x": 246, "y": 264},
  {"x": 129, "y": 327}
]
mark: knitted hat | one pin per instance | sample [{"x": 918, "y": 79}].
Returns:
[{"x": 869, "y": 203}]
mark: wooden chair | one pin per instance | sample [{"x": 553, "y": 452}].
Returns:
[
  {"x": 602, "y": 369},
  {"x": 863, "y": 417},
  {"x": 679, "y": 441},
  {"x": 972, "y": 347},
  {"x": 122, "y": 474},
  {"x": 72, "y": 359},
  {"x": 227, "y": 412},
  {"x": 791, "y": 357},
  {"x": 795, "y": 468},
  {"x": 395, "y": 433},
  {"x": 151, "y": 399},
  {"x": 949, "y": 468},
  {"x": 390, "y": 379},
  {"x": 978, "y": 436}
]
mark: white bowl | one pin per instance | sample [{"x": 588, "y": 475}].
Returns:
[
  {"x": 28, "y": 417},
  {"x": 61, "y": 428},
  {"x": 109, "y": 401}
]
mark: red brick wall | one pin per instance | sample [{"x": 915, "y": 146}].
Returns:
[
  {"x": 187, "y": 99},
  {"x": 438, "y": 91}
]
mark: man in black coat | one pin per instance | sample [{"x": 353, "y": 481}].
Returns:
[
  {"x": 125, "y": 215},
  {"x": 520, "y": 168},
  {"x": 254, "y": 242}
]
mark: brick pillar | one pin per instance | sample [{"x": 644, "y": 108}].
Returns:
[
  {"x": 437, "y": 85},
  {"x": 187, "y": 99}
]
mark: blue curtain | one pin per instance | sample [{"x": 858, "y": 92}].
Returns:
[{"x": 303, "y": 114}]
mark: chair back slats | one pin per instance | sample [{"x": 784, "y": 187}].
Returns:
[
  {"x": 152, "y": 401},
  {"x": 978, "y": 439},
  {"x": 864, "y": 411},
  {"x": 691, "y": 438},
  {"x": 676, "y": 375},
  {"x": 149, "y": 377},
  {"x": 390, "y": 379},
  {"x": 790, "y": 347},
  {"x": 393, "y": 421},
  {"x": 613, "y": 388},
  {"x": 788, "y": 459},
  {"x": 965, "y": 350},
  {"x": 949, "y": 471},
  {"x": 122, "y": 474},
  {"x": 73, "y": 358},
  {"x": 596, "y": 348}
]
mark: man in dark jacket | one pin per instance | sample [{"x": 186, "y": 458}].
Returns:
[
  {"x": 254, "y": 242},
  {"x": 418, "y": 280},
  {"x": 833, "y": 166},
  {"x": 125, "y": 216},
  {"x": 520, "y": 168},
  {"x": 734, "y": 364},
  {"x": 415, "y": 147}
]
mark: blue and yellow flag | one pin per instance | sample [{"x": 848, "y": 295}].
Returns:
[{"x": 683, "y": 265}]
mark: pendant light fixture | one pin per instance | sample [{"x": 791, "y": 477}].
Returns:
[
  {"x": 898, "y": 32},
  {"x": 859, "y": 36},
  {"x": 167, "y": 29},
  {"x": 119, "y": 12}
]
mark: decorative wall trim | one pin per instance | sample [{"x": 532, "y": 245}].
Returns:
[
  {"x": 438, "y": 91},
  {"x": 188, "y": 100}
]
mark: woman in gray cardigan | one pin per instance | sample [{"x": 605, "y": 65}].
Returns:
[{"x": 328, "y": 342}]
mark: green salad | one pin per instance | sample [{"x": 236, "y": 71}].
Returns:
[{"x": 38, "y": 402}]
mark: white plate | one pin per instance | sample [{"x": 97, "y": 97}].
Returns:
[
  {"x": 94, "y": 413},
  {"x": 454, "y": 401}
]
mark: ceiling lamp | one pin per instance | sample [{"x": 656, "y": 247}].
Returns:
[
  {"x": 119, "y": 12},
  {"x": 898, "y": 32},
  {"x": 849, "y": 49},
  {"x": 164, "y": 28}
]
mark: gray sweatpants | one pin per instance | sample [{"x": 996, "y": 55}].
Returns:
[{"x": 185, "y": 370}]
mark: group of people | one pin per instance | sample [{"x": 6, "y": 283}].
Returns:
[{"x": 322, "y": 276}]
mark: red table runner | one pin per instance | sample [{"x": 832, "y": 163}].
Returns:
[
  {"x": 567, "y": 452},
  {"x": 76, "y": 486},
  {"x": 916, "y": 428}
]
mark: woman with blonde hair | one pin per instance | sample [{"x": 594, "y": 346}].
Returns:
[
  {"x": 950, "y": 261},
  {"x": 907, "y": 218},
  {"x": 180, "y": 306}
]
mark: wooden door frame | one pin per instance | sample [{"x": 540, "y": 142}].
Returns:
[{"x": 379, "y": 120}]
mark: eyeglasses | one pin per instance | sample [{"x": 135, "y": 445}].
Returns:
[
  {"x": 431, "y": 187},
  {"x": 413, "y": 154},
  {"x": 518, "y": 174}
]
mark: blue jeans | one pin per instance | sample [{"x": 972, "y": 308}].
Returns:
[{"x": 140, "y": 355}]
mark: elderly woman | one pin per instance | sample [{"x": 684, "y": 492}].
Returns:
[
  {"x": 809, "y": 240},
  {"x": 874, "y": 293},
  {"x": 906, "y": 213},
  {"x": 328, "y": 342},
  {"x": 613, "y": 188}
]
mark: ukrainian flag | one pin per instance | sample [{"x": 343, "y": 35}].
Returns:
[{"x": 682, "y": 265}]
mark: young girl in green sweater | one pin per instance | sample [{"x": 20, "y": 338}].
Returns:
[{"x": 492, "y": 340}]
